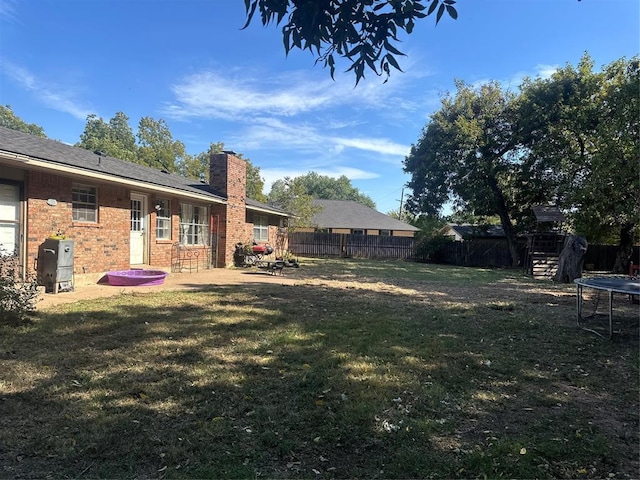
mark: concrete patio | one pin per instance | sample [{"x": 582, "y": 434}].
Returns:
[{"x": 174, "y": 281}]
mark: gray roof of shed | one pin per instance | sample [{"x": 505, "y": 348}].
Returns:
[
  {"x": 57, "y": 153},
  {"x": 547, "y": 213},
  {"x": 349, "y": 214}
]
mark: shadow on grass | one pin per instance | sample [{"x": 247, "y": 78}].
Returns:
[{"x": 316, "y": 381}]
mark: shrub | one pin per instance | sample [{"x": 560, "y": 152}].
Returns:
[
  {"x": 427, "y": 247},
  {"x": 18, "y": 296}
]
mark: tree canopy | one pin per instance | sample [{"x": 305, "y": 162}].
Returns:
[
  {"x": 291, "y": 196},
  {"x": 364, "y": 32},
  {"x": 10, "y": 120},
  {"x": 467, "y": 154},
  {"x": 115, "y": 138},
  {"x": 296, "y": 195},
  {"x": 156, "y": 147},
  {"x": 321, "y": 186},
  {"x": 583, "y": 128},
  {"x": 572, "y": 140}
]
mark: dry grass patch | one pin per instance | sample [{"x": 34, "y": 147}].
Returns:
[{"x": 360, "y": 369}]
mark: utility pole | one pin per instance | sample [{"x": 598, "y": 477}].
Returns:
[{"x": 401, "y": 202}]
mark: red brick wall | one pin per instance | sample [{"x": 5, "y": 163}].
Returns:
[
  {"x": 104, "y": 246},
  {"x": 160, "y": 249},
  {"x": 98, "y": 247},
  {"x": 228, "y": 177}
]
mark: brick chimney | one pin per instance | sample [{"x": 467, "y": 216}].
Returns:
[{"x": 228, "y": 177}]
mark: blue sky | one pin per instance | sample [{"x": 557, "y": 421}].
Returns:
[{"x": 189, "y": 63}]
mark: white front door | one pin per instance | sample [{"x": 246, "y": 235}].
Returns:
[
  {"x": 137, "y": 229},
  {"x": 9, "y": 218}
]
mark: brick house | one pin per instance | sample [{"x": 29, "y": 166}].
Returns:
[{"x": 121, "y": 214}]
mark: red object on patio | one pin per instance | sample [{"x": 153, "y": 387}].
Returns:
[{"x": 262, "y": 249}]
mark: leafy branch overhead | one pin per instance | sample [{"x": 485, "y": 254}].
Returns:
[{"x": 362, "y": 31}]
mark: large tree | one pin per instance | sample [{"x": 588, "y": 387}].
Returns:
[
  {"x": 293, "y": 198},
  {"x": 115, "y": 138},
  {"x": 11, "y": 120},
  {"x": 157, "y": 148},
  {"x": 468, "y": 153},
  {"x": 198, "y": 167},
  {"x": 364, "y": 32},
  {"x": 255, "y": 183},
  {"x": 329, "y": 188},
  {"x": 581, "y": 132}
]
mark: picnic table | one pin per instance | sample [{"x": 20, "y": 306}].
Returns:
[{"x": 272, "y": 266}]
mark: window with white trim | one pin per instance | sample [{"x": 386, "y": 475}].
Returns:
[
  {"x": 385, "y": 233},
  {"x": 163, "y": 219},
  {"x": 84, "y": 203},
  {"x": 194, "y": 225},
  {"x": 260, "y": 228},
  {"x": 357, "y": 231}
]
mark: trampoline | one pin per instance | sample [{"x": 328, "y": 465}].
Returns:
[{"x": 611, "y": 285}]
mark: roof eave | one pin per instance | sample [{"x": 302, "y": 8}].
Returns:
[
  {"x": 39, "y": 164},
  {"x": 267, "y": 210}
]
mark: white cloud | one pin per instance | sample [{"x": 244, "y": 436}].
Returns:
[
  {"x": 270, "y": 175},
  {"x": 377, "y": 145},
  {"x": 46, "y": 91},
  {"x": 274, "y": 134},
  {"x": 545, "y": 71},
  {"x": 234, "y": 95},
  {"x": 211, "y": 95},
  {"x": 514, "y": 81}
]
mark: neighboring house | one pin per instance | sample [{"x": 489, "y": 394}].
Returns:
[
  {"x": 341, "y": 216},
  {"x": 119, "y": 213},
  {"x": 466, "y": 231}
]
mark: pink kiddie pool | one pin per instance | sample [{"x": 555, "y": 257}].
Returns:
[{"x": 133, "y": 278}]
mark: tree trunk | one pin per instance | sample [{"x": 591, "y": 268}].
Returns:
[
  {"x": 571, "y": 259},
  {"x": 505, "y": 221},
  {"x": 625, "y": 250}
]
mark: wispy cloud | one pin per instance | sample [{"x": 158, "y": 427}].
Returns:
[
  {"x": 514, "y": 81},
  {"x": 311, "y": 139},
  {"x": 211, "y": 95},
  {"x": 377, "y": 145},
  {"x": 232, "y": 95},
  {"x": 8, "y": 11},
  {"x": 270, "y": 175},
  {"x": 545, "y": 71},
  {"x": 53, "y": 96}
]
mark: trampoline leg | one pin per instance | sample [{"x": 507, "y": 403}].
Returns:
[
  {"x": 579, "y": 305},
  {"x": 610, "y": 315}
]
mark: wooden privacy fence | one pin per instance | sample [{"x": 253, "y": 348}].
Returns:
[
  {"x": 477, "y": 253},
  {"x": 495, "y": 253},
  {"x": 603, "y": 257},
  {"x": 317, "y": 244}
]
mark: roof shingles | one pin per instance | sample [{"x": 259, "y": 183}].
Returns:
[
  {"x": 54, "y": 152},
  {"x": 354, "y": 215}
]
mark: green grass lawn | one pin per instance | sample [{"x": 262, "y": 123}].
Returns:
[{"x": 361, "y": 369}]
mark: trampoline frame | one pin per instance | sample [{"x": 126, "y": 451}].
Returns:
[{"x": 611, "y": 285}]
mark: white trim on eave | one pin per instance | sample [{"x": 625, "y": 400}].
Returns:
[
  {"x": 38, "y": 164},
  {"x": 267, "y": 210}
]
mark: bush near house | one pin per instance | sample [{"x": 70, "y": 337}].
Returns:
[{"x": 17, "y": 296}]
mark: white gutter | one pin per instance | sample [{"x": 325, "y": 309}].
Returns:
[
  {"x": 267, "y": 210},
  {"x": 44, "y": 165}
]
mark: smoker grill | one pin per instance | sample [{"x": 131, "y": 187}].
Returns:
[{"x": 55, "y": 265}]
